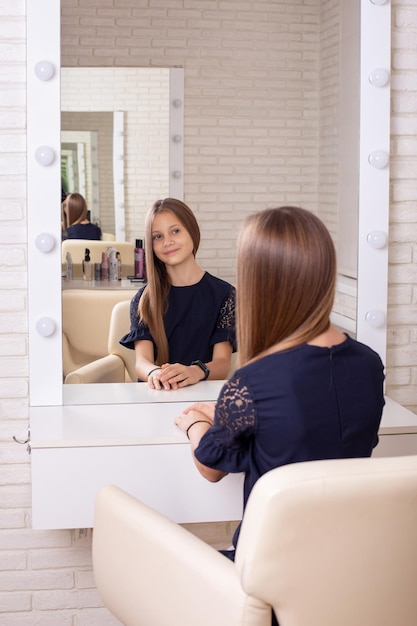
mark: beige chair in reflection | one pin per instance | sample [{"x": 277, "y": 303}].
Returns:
[
  {"x": 87, "y": 323},
  {"x": 118, "y": 364},
  {"x": 325, "y": 543},
  {"x": 77, "y": 249}
]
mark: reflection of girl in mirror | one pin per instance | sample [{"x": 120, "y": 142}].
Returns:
[
  {"x": 75, "y": 224},
  {"x": 183, "y": 320},
  {"x": 306, "y": 391}
]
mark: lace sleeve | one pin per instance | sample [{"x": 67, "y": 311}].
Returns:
[
  {"x": 226, "y": 445},
  {"x": 235, "y": 410},
  {"x": 135, "y": 320},
  {"x": 226, "y": 321},
  {"x": 138, "y": 329},
  {"x": 227, "y": 314}
]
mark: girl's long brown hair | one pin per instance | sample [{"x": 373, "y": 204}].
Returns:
[
  {"x": 76, "y": 210},
  {"x": 286, "y": 275},
  {"x": 153, "y": 303}
]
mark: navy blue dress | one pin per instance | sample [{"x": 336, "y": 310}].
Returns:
[
  {"x": 83, "y": 231},
  {"x": 303, "y": 404},
  {"x": 198, "y": 317}
]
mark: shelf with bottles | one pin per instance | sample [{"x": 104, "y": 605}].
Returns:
[{"x": 80, "y": 283}]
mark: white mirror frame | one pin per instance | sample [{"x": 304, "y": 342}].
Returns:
[
  {"x": 372, "y": 294},
  {"x": 44, "y": 191},
  {"x": 118, "y": 174},
  {"x": 44, "y": 194}
]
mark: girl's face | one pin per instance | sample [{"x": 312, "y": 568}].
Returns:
[{"x": 171, "y": 242}]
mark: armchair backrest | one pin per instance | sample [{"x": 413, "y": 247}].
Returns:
[
  {"x": 325, "y": 543},
  {"x": 119, "y": 326},
  {"x": 334, "y": 542},
  {"x": 86, "y": 318}
]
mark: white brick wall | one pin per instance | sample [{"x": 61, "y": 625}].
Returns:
[
  {"x": 236, "y": 54},
  {"x": 402, "y": 312}
]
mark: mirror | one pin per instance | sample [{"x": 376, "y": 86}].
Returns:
[
  {"x": 243, "y": 133},
  {"x": 89, "y": 99},
  {"x": 87, "y": 162}
]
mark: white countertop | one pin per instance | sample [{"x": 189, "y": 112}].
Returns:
[
  {"x": 116, "y": 414},
  {"x": 133, "y": 393},
  {"x": 132, "y": 414},
  {"x": 107, "y": 425}
]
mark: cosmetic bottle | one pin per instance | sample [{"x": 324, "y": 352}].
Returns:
[
  {"x": 68, "y": 266},
  {"x": 144, "y": 264},
  {"x": 105, "y": 266},
  {"x": 87, "y": 265},
  {"x": 113, "y": 269},
  {"x": 119, "y": 265},
  {"x": 139, "y": 259},
  {"x": 97, "y": 271}
]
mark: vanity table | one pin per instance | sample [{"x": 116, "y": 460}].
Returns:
[
  {"x": 131, "y": 441},
  {"x": 398, "y": 431},
  {"x": 117, "y": 285}
]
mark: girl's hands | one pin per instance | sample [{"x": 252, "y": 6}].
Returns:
[
  {"x": 175, "y": 376},
  {"x": 200, "y": 416},
  {"x": 154, "y": 381},
  {"x": 206, "y": 408},
  {"x": 197, "y": 411}
]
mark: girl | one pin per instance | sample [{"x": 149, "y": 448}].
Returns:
[
  {"x": 183, "y": 320},
  {"x": 305, "y": 390},
  {"x": 74, "y": 219}
]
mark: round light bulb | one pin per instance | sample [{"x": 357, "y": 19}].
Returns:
[
  {"x": 45, "y": 242},
  {"x": 377, "y": 239},
  {"x": 375, "y": 318},
  {"x": 176, "y": 174},
  {"x": 44, "y": 70},
  {"x": 45, "y": 326},
  {"x": 44, "y": 155},
  {"x": 379, "y": 77},
  {"x": 378, "y": 159}
]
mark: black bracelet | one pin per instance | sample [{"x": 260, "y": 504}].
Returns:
[
  {"x": 154, "y": 369},
  {"x": 197, "y": 422}
]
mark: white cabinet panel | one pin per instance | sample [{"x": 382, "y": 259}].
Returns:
[{"x": 133, "y": 443}]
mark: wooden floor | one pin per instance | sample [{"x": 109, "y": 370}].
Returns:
[{"x": 216, "y": 534}]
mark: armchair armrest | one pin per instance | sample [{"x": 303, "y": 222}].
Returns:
[
  {"x": 108, "y": 369},
  {"x": 150, "y": 570}
]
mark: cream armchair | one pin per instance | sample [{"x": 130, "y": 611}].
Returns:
[
  {"x": 118, "y": 365},
  {"x": 86, "y": 322},
  {"x": 325, "y": 543}
]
